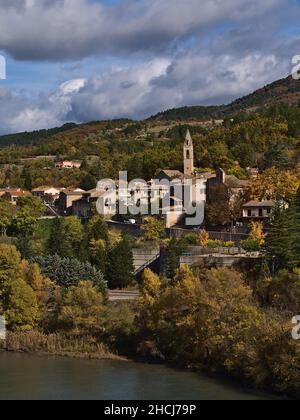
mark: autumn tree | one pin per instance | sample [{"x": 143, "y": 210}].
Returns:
[
  {"x": 18, "y": 300},
  {"x": 82, "y": 311},
  {"x": 203, "y": 237},
  {"x": 275, "y": 185},
  {"x": 21, "y": 312},
  {"x": 154, "y": 230},
  {"x": 218, "y": 208},
  {"x": 257, "y": 232},
  {"x": 150, "y": 291}
]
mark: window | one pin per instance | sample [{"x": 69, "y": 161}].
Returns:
[
  {"x": 187, "y": 154},
  {"x": 261, "y": 213},
  {"x": 249, "y": 213}
]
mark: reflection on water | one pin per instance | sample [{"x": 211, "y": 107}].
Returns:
[{"x": 30, "y": 377}]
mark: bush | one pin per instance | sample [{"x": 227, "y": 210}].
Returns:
[
  {"x": 214, "y": 243},
  {"x": 229, "y": 244},
  {"x": 251, "y": 245}
]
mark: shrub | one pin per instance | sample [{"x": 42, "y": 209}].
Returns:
[
  {"x": 229, "y": 244},
  {"x": 251, "y": 245},
  {"x": 214, "y": 243}
]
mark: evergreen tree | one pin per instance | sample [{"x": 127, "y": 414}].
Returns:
[
  {"x": 120, "y": 267},
  {"x": 283, "y": 239},
  {"x": 172, "y": 259}
]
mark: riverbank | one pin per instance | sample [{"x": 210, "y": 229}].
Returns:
[{"x": 33, "y": 342}]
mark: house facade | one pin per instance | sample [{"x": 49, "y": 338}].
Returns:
[
  {"x": 43, "y": 191},
  {"x": 12, "y": 195},
  {"x": 258, "y": 210},
  {"x": 66, "y": 200},
  {"x": 69, "y": 164}
]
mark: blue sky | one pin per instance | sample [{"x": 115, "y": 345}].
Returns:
[{"x": 80, "y": 60}]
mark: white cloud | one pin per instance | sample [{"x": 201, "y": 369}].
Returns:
[
  {"x": 68, "y": 29},
  {"x": 144, "y": 89}
]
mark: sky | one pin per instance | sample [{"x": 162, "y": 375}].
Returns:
[{"x": 83, "y": 60}]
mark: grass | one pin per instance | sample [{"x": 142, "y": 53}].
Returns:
[{"x": 34, "y": 342}]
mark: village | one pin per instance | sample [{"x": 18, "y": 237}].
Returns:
[
  {"x": 216, "y": 210},
  {"x": 208, "y": 188}
]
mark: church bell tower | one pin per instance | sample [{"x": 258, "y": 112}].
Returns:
[{"x": 188, "y": 155}]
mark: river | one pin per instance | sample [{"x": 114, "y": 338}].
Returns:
[{"x": 24, "y": 377}]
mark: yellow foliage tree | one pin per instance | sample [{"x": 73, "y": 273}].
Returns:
[
  {"x": 257, "y": 232},
  {"x": 150, "y": 292},
  {"x": 203, "y": 237},
  {"x": 274, "y": 184}
]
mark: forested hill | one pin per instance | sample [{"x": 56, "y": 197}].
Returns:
[
  {"x": 26, "y": 138},
  {"x": 282, "y": 91}
]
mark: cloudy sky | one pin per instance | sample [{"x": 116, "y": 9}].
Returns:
[{"x": 81, "y": 60}]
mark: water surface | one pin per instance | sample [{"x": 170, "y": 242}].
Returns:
[{"x": 24, "y": 377}]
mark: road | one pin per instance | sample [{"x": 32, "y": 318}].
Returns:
[{"x": 116, "y": 295}]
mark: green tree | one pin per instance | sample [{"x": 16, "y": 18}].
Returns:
[
  {"x": 67, "y": 272},
  {"x": 283, "y": 239},
  {"x": 24, "y": 222},
  {"x": 33, "y": 204},
  {"x": 6, "y": 216},
  {"x": 88, "y": 183},
  {"x": 10, "y": 268},
  {"x": 172, "y": 258},
  {"x": 67, "y": 240},
  {"x": 97, "y": 229},
  {"x": 120, "y": 266}
]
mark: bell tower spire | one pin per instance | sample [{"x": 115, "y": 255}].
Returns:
[{"x": 188, "y": 155}]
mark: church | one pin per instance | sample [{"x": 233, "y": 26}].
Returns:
[{"x": 204, "y": 184}]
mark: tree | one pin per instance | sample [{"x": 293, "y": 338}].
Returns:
[
  {"x": 283, "y": 239},
  {"x": 24, "y": 222},
  {"x": 33, "y": 205},
  {"x": 88, "y": 183},
  {"x": 67, "y": 272},
  {"x": 154, "y": 230},
  {"x": 67, "y": 236},
  {"x": 275, "y": 185},
  {"x": 97, "y": 229},
  {"x": 172, "y": 258},
  {"x": 150, "y": 290},
  {"x": 6, "y": 216},
  {"x": 98, "y": 254},
  {"x": 218, "y": 208},
  {"x": 120, "y": 266},
  {"x": 257, "y": 232},
  {"x": 10, "y": 268},
  {"x": 82, "y": 310},
  {"x": 21, "y": 313},
  {"x": 203, "y": 237}
]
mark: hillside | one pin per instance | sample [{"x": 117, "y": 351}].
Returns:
[
  {"x": 282, "y": 91},
  {"x": 22, "y": 139}
]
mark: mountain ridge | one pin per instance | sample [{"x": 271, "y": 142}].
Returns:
[{"x": 286, "y": 90}]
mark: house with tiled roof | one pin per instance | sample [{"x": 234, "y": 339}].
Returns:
[{"x": 258, "y": 210}]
